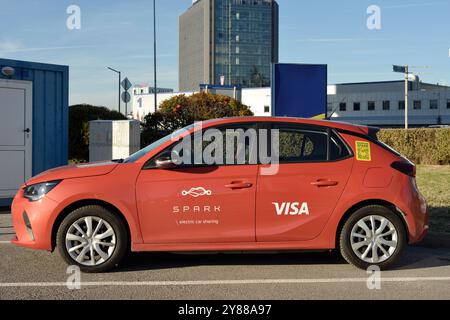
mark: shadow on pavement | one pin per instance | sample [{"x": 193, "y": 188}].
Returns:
[
  {"x": 154, "y": 261},
  {"x": 413, "y": 258},
  {"x": 5, "y": 210}
]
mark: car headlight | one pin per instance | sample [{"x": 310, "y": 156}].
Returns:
[{"x": 37, "y": 191}]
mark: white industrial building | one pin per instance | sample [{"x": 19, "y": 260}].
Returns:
[
  {"x": 383, "y": 103},
  {"x": 369, "y": 103},
  {"x": 146, "y": 89}
]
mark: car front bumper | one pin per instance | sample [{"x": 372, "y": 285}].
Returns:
[{"x": 32, "y": 222}]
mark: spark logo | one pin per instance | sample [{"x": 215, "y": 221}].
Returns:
[
  {"x": 291, "y": 208},
  {"x": 196, "y": 192}
]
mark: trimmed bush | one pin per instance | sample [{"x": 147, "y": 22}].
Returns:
[
  {"x": 421, "y": 146},
  {"x": 79, "y": 117},
  {"x": 181, "y": 111}
]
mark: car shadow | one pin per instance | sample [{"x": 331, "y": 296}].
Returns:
[
  {"x": 5, "y": 210},
  {"x": 160, "y": 261},
  {"x": 417, "y": 257},
  {"x": 431, "y": 253}
]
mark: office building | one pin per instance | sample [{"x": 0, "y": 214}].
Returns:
[{"x": 228, "y": 42}]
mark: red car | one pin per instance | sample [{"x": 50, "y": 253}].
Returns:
[{"x": 334, "y": 185}]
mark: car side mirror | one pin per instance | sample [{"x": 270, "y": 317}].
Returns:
[{"x": 165, "y": 163}]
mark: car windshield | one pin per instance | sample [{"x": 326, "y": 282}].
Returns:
[{"x": 136, "y": 156}]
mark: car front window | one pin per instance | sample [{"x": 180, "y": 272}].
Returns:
[{"x": 138, "y": 155}]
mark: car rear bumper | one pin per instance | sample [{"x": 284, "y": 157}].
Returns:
[{"x": 415, "y": 211}]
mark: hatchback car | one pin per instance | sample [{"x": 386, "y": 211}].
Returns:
[{"x": 280, "y": 184}]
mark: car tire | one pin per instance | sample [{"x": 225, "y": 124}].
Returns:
[
  {"x": 353, "y": 236},
  {"x": 108, "y": 252}
]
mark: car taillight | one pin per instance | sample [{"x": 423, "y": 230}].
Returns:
[{"x": 405, "y": 167}]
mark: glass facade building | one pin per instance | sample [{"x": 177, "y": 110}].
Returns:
[{"x": 237, "y": 40}]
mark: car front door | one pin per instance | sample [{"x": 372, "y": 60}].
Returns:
[
  {"x": 197, "y": 203},
  {"x": 295, "y": 203}
]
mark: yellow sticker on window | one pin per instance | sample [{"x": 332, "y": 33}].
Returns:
[{"x": 363, "y": 151}]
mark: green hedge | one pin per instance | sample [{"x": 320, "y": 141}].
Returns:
[
  {"x": 182, "y": 110},
  {"x": 79, "y": 117},
  {"x": 421, "y": 146}
]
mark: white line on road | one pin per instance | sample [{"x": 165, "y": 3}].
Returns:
[{"x": 218, "y": 282}]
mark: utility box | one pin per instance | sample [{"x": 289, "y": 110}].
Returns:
[{"x": 112, "y": 140}]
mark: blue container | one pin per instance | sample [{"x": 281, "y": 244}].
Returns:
[
  {"x": 50, "y": 110},
  {"x": 299, "y": 90}
]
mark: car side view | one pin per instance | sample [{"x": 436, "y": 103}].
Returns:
[{"x": 333, "y": 186}]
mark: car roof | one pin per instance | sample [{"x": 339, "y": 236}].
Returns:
[{"x": 358, "y": 129}]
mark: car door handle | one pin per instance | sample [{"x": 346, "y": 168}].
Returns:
[
  {"x": 239, "y": 185},
  {"x": 324, "y": 183}
]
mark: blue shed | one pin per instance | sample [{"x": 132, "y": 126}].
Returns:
[{"x": 34, "y": 108}]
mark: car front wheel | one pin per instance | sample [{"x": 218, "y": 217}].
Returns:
[
  {"x": 372, "y": 236},
  {"x": 92, "y": 238}
]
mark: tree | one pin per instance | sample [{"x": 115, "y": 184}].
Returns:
[
  {"x": 181, "y": 111},
  {"x": 79, "y": 117}
]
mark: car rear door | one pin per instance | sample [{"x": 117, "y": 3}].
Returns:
[{"x": 296, "y": 202}]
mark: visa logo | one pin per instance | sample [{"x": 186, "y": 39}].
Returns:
[{"x": 291, "y": 208}]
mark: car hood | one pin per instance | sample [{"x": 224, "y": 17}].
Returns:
[{"x": 74, "y": 171}]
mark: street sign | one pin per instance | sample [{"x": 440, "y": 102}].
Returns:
[
  {"x": 401, "y": 69},
  {"x": 126, "y": 84},
  {"x": 126, "y": 97}
]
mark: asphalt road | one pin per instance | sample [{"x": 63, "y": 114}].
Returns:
[{"x": 424, "y": 273}]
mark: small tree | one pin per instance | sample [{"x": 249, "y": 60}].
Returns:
[
  {"x": 79, "y": 117},
  {"x": 181, "y": 111}
]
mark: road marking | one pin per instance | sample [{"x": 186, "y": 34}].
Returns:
[
  {"x": 218, "y": 282},
  {"x": 5, "y": 242}
]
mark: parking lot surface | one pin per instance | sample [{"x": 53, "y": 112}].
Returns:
[{"x": 424, "y": 273}]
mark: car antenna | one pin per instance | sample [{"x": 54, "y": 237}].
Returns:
[{"x": 335, "y": 109}]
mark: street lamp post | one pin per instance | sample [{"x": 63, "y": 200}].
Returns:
[
  {"x": 406, "y": 96},
  {"x": 405, "y": 70},
  {"x": 120, "y": 80},
  {"x": 154, "y": 55}
]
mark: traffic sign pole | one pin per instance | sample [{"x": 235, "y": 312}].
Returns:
[{"x": 126, "y": 85}]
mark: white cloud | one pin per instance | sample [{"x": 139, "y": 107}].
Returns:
[
  {"x": 10, "y": 45},
  {"x": 411, "y": 5},
  {"x": 332, "y": 40}
]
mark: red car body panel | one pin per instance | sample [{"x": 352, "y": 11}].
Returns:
[{"x": 158, "y": 205}]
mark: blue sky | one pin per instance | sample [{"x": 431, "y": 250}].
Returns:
[{"x": 119, "y": 34}]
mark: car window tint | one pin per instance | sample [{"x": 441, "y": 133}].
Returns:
[
  {"x": 337, "y": 148},
  {"x": 298, "y": 145},
  {"x": 242, "y": 151},
  {"x": 239, "y": 145}
]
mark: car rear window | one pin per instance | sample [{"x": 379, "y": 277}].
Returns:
[{"x": 338, "y": 150}]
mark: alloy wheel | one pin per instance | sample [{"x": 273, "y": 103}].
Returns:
[
  {"x": 374, "y": 239},
  {"x": 90, "y": 241}
]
